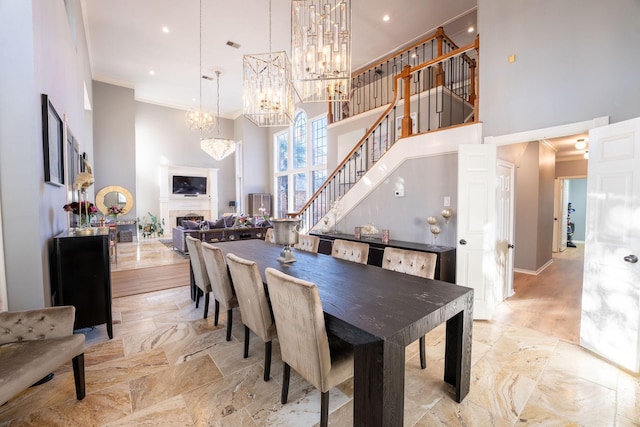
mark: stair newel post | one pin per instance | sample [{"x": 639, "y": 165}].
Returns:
[
  {"x": 330, "y": 110},
  {"x": 407, "y": 126},
  {"x": 476, "y": 106},
  {"x": 439, "y": 70}
]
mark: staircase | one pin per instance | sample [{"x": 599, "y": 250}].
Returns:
[{"x": 437, "y": 94}]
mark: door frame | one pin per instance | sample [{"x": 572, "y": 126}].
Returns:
[{"x": 546, "y": 133}]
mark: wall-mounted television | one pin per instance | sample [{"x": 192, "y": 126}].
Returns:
[{"x": 189, "y": 185}]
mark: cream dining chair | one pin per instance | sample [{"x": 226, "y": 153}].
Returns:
[
  {"x": 254, "y": 307},
  {"x": 270, "y": 236},
  {"x": 220, "y": 284},
  {"x": 199, "y": 271},
  {"x": 308, "y": 243},
  {"x": 421, "y": 264},
  {"x": 304, "y": 343},
  {"x": 350, "y": 251}
]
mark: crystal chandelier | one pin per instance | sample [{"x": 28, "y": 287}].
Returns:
[
  {"x": 267, "y": 92},
  {"x": 321, "y": 49},
  {"x": 198, "y": 119},
  {"x": 217, "y": 147}
]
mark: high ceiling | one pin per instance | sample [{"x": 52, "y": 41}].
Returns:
[{"x": 126, "y": 41}]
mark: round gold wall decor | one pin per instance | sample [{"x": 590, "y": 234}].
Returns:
[{"x": 114, "y": 195}]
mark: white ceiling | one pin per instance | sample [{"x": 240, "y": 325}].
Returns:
[{"x": 126, "y": 41}]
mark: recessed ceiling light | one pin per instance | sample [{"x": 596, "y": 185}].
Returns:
[
  {"x": 152, "y": 73},
  {"x": 471, "y": 30},
  {"x": 165, "y": 29},
  {"x": 385, "y": 18}
]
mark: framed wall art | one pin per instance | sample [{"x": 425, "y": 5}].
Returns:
[{"x": 52, "y": 143}]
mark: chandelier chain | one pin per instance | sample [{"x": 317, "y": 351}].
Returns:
[{"x": 218, "y": 103}]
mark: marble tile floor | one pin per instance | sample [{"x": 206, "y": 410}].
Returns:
[{"x": 166, "y": 366}]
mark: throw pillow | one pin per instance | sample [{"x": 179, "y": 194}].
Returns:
[
  {"x": 191, "y": 225},
  {"x": 219, "y": 223}
]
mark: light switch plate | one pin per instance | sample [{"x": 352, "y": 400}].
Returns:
[{"x": 447, "y": 201}]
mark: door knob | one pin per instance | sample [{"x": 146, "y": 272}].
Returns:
[
  {"x": 463, "y": 242},
  {"x": 631, "y": 258},
  {"x": 510, "y": 246}
]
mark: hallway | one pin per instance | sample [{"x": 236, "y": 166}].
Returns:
[{"x": 551, "y": 301}]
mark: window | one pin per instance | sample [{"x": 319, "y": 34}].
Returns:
[{"x": 301, "y": 163}]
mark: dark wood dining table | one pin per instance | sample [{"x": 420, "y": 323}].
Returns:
[{"x": 379, "y": 312}]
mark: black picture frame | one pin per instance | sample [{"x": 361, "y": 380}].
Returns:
[{"x": 52, "y": 143}]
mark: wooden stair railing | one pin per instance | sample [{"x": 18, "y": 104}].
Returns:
[
  {"x": 368, "y": 88},
  {"x": 356, "y": 163}
]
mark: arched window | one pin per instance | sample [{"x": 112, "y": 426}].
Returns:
[{"x": 301, "y": 163}]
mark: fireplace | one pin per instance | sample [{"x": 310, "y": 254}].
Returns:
[{"x": 190, "y": 217}]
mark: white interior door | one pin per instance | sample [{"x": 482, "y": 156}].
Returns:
[
  {"x": 504, "y": 229},
  {"x": 559, "y": 215},
  {"x": 476, "y": 247},
  {"x": 564, "y": 214},
  {"x": 610, "y": 323}
]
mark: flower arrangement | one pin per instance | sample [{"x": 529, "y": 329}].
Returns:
[
  {"x": 115, "y": 211},
  {"x": 241, "y": 221},
  {"x": 84, "y": 209}
]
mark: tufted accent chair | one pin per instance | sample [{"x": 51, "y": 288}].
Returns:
[
  {"x": 308, "y": 243},
  {"x": 33, "y": 343},
  {"x": 350, "y": 251},
  {"x": 199, "y": 268},
  {"x": 421, "y": 264}
]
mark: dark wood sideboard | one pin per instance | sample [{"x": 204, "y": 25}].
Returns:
[
  {"x": 81, "y": 276},
  {"x": 445, "y": 265}
]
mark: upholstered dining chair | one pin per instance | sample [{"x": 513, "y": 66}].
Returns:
[
  {"x": 270, "y": 236},
  {"x": 308, "y": 243},
  {"x": 199, "y": 271},
  {"x": 252, "y": 298},
  {"x": 421, "y": 264},
  {"x": 304, "y": 343},
  {"x": 220, "y": 283},
  {"x": 350, "y": 251}
]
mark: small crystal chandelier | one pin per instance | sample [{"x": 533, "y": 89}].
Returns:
[
  {"x": 267, "y": 92},
  {"x": 217, "y": 147},
  {"x": 321, "y": 49},
  {"x": 198, "y": 119}
]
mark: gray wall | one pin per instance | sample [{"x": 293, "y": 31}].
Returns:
[
  {"x": 30, "y": 64},
  {"x": 571, "y": 168},
  {"x": 534, "y": 207},
  {"x": 426, "y": 181},
  {"x": 575, "y": 60},
  {"x": 114, "y": 139},
  {"x": 578, "y": 199},
  {"x": 255, "y": 159},
  {"x": 137, "y": 138}
]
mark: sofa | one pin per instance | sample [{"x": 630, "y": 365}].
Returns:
[
  {"x": 223, "y": 228},
  {"x": 34, "y": 343}
]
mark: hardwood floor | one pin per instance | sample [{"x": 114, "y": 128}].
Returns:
[
  {"x": 149, "y": 279},
  {"x": 147, "y": 266},
  {"x": 551, "y": 301}
]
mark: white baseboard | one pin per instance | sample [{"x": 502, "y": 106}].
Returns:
[{"x": 536, "y": 272}]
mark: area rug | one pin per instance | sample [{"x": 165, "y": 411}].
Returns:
[{"x": 169, "y": 244}]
